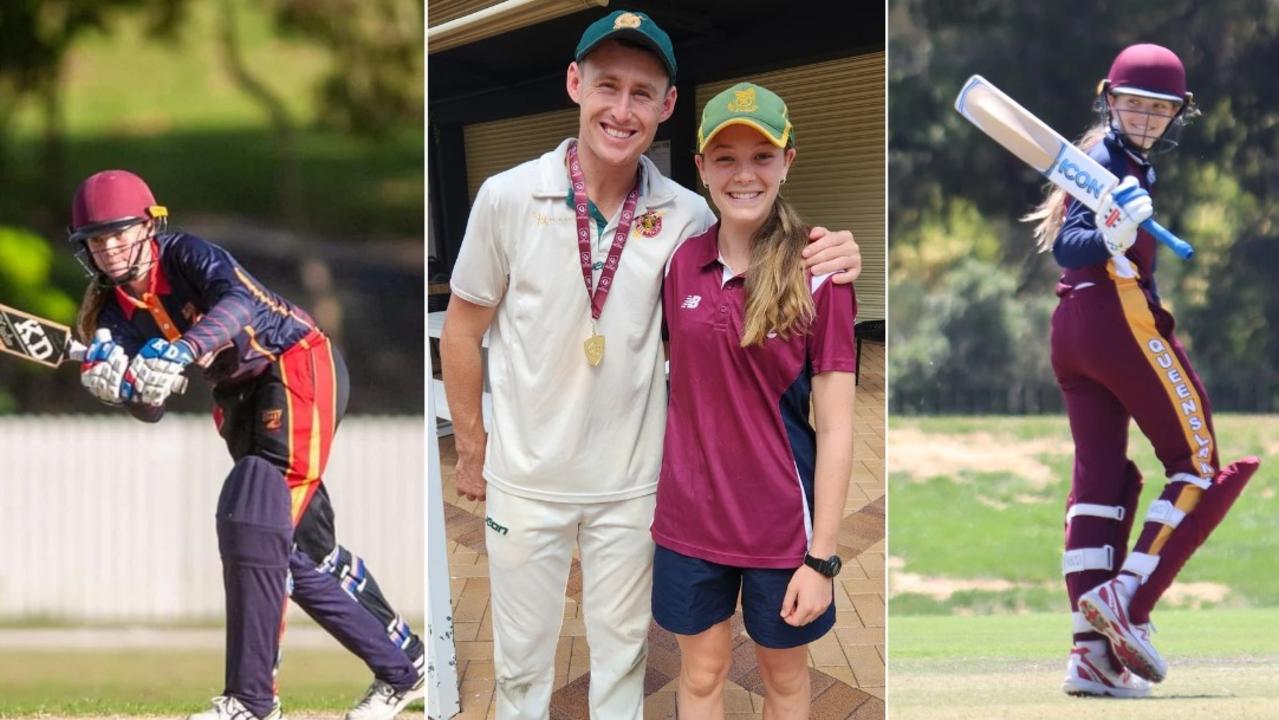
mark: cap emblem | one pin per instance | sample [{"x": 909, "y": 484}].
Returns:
[
  {"x": 744, "y": 101},
  {"x": 627, "y": 20}
]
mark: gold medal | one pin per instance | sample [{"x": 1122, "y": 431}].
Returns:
[{"x": 594, "y": 347}]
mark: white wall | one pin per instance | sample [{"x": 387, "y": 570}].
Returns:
[{"x": 112, "y": 519}]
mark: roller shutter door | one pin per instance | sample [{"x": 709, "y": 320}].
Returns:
[{"x": 492, "y": 147}]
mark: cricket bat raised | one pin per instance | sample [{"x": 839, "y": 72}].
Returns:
[
  {"x": 43, "y": 341},
  {"x": 1040, "y": 147}
]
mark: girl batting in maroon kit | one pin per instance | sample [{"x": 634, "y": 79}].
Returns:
[
  {"x": 1116, "y": 357},
  {"x": 160, "y": 301}
]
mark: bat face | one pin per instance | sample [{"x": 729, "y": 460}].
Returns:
[
  {"x": 1009, "y": 125},
  {"x": 35, "y": 339},
  {"x": 1036, "y": 144},
  {"x": 1081, "y": 176}
]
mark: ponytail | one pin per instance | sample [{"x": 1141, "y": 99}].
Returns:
[
  {"x": 778, "y": 298},
  {"x": 95, "y": 297},
  {"x": 1051, "y": 213}
]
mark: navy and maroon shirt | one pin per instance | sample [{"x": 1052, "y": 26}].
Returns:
[
  {"x": 1079, "y": 246},
  {"x": 199, "y": 293},
  {"x": 738, "y": 468}
]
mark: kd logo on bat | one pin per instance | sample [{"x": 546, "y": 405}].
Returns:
[
  {"x": 1080, "y": 177},
  {"x": 36, "y": 343}
]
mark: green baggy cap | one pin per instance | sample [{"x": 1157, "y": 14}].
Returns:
[{"x": 633, "y": 26}]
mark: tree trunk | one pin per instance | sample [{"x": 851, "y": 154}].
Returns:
[{"x": 288, "y": 172}]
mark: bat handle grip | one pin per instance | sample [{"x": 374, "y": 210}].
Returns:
[
  {"x": 76, "y": 350},
  {"x": 1174, "y": 243}
]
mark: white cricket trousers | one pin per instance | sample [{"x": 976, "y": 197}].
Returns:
[{"x": 530, "y": 552}]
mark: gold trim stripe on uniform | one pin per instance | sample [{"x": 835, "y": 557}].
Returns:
[
  {"x": 265, "y": 299},
  {"x": 1182, "y": 395}
]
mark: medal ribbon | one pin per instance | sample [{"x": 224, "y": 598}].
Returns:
[{"x": 580, "y": 201}]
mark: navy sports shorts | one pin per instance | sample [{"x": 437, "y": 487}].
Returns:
[{"x": 690, "y": 595}]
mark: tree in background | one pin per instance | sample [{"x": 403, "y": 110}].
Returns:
[
  {"x": 35, "y": 37},
  {"x": 294, "y": 126},
  {"x": 379, "y": 58},
  {"x": 955, "y": 194}
]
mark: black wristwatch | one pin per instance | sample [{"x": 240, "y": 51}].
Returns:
[{"x": 829, "y": 568}]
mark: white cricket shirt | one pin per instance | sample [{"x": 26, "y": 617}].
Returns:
[{"x": 564, "y": 431}]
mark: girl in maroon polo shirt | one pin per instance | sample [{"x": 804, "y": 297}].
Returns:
[
  {"x": 1116, "y": 358},
  {"x": 751, "y": 496}
]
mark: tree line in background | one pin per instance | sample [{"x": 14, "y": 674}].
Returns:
[
  {"x": 971, "y": 298},
  {"x": 325, "y": 172}
]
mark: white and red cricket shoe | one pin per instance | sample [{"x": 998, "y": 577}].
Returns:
[
  {"x": 1105, "y": 607},
  {"x": 226, "y": 707},
  {"x": 1090, "y": 675}
]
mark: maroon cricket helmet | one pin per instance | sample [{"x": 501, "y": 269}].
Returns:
[
  {"x": 1148, "y": 70},
  {"x": 110, "y": 201}
]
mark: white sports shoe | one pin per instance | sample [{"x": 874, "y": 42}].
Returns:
[
  {"x": 383, "y": 702},
  {"x": 1090, "y": 676},
  {"x": 1105, "y": 607},
  {"x": 226, "y": 707}
]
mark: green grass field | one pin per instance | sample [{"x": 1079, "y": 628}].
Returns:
[
  {"x": 977, "y": 611},
  {"x": 976, "y": 508},
  {"x": 164, "y": 682}
]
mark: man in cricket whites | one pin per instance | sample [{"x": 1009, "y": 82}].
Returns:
[{"x": 578, "y": 383}]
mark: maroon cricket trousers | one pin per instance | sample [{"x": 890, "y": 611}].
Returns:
[{"x": 1116, "y": 358}]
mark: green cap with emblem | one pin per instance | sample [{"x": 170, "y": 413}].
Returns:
[
  {"x": 747, "y": 104},
  {"x": 634, "y": 26}
]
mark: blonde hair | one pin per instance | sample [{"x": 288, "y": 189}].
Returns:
[
  {"x": 1051, "y": 213},
  {"x": 95, "y": 297},
  {"x": 778, "y": 298}
]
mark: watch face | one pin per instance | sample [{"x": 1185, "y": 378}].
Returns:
[{"x": 835, "y": 565}]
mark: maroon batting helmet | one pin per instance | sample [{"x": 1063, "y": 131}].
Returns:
[
  {"x": 1149, "y": 71},
  {"x": 110, "y": 201}
]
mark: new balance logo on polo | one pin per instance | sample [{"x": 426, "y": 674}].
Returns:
[{"x": 691, "y": 302}]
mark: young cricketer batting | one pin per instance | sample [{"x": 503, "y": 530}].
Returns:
[
  {"x": 1116, "y": 358},
  {"x": 162, "y": 301}
]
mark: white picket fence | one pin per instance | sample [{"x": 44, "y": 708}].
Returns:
[{"x": 110, "y": 519}]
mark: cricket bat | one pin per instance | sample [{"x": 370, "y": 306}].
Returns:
[
  {"x": 1053, "y": 156},
  {"x": 43, "y": 341}
]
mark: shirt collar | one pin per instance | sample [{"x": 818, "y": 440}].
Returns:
[
  {"x": 653, "y": 190},
  {"x": 706, "y": 249},
  {"x": 157, "y": 285},
  {"x": 1114, "y": 139}
]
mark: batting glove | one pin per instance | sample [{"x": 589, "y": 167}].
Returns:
[
  {"x": 105, "y": 370},
  {"x": 157, "y": 370},
  {"x": 1120, "y": 212}
]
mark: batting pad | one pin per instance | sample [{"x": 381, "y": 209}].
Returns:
[
  {"x": 254, "y": 536},
  {"x": 1193, "y": 529}
]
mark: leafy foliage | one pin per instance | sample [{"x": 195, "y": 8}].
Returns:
[{"x": 956, "y": 195}]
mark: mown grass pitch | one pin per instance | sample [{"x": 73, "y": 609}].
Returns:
[
  {"x": 977, "y": 625},
  {"x": 60, "y": 682},
  {"x": 1222, "y": 665}
]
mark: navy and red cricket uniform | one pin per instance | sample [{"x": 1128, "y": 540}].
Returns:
[
  {"x": 735, "y": 495},
  {"x": 1116, "y": 358},
  {"x": 280, "y": 389}
]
